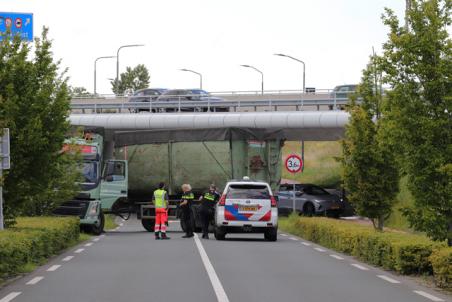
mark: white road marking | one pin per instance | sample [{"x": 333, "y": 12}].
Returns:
[
  {"x": 96, "y": 239},
  {"x": 10, "y": 296},
  {"x": 390, "y": 280},
  {"x": 294, "y": 239},
  {"x": 35, "y": 280},
  {"x": 121, "y": 224},
  {"x": 53, "y": 268},
  {"x": 216, "y": 284},
  {"x": 68, "y": 258},
  {"x": 285, "y": 235},
  {"x": 319, "y": 249},
  {"x": 426, "y": 295},
  {"x": 336, "y": 257},
  {"x": 305, "y": 243},
  {"x": 89, "y": 244},
  {"x": 102, "y": 236},
  {"x": 79, "y": 251},
  {"x": 363, "y": 268}
]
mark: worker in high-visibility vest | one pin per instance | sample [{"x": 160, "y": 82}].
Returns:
[{"x": 160, "y": 200}]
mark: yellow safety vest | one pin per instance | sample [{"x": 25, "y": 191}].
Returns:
[
  {"x": 159, "y": 199},
  {"x": 208, "y": 196}
]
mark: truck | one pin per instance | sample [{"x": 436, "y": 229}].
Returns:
[{"x": 127, "y": 183}]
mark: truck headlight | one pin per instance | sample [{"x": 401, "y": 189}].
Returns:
[{"x": 93, "y": 210}]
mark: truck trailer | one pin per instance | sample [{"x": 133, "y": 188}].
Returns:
[{"x": 143, "y": 159}]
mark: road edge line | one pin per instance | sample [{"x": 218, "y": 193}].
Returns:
[{"x": 214, "y": 280}]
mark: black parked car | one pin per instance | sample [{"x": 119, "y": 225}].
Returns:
[
  {"x": 309, "y": 200},
  {"x": 146, "y": 95},
  {"x": 191, "y": 95}
]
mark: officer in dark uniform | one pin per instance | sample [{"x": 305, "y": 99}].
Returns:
[
  {"x": 208, "y": 201},
  {"x": 185, "y": 205}
]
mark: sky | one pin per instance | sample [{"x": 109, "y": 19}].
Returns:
[{"x": 214, "y": 37}]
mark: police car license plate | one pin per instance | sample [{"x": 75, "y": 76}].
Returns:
[{"x": 243, "y": 208}]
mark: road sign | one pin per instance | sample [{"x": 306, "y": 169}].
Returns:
[
  {"x": 19, "y": 23},
  {"x": 5, "y": 150},
  {"x": 294, "y": 163}
]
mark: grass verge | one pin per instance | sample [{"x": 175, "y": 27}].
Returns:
[{"x": 110, "y": 222}]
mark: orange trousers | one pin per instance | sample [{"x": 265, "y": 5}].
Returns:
[{"x": 161, "y": 217}]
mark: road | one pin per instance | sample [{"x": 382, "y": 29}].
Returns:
[{"x": 128, "y": 264}]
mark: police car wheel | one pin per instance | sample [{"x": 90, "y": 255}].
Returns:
[
  {"x": 271, "y": 234},
  {"x": 148, "y": 224},
  {"x": 219, "y": 235}
]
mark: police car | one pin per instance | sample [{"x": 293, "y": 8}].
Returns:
[{"x": 247, "y": 206}]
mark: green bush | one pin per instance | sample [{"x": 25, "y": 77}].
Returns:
[
  {"x": 442, "y": 267},
  {"x": 34, "y": 239},
  {"x": 402, "y": 252}
]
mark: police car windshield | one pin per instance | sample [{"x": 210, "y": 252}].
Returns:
[{"x": 248, "y": 192}]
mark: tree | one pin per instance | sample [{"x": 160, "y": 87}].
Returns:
[
  {"x": 418, "y": 67},
  {"x": 79, "y": 92},
  {"x": 35, "y": 106},
  {"x": 369, "y": 169},
  {"x": 133, "y": 79}
]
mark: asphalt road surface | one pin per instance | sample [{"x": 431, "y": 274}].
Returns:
[{"x": 128, "y": 264}]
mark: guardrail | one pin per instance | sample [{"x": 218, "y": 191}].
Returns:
[{"x": 207, "y": 105}]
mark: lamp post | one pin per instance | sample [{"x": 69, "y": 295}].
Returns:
[
  {"x": 117, "y": 56},
  {"x": 192, "y": 71},
  {"x": 262, "y": 76},
  {"x": 300, "y": 61},
  {"x": 95, "y": 70}
]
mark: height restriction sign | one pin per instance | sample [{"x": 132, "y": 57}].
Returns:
[{"x": 294, "y": 163}]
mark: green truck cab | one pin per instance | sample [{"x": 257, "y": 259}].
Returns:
[{"x": 104, "y": 182}]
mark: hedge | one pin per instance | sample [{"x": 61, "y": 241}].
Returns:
[
  {"x": 33, "y": 240},
  {"x": 401, "y": 252},
  {"x": 442, "y": 267}
]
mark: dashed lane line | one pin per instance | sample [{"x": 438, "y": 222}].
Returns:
[
  {"x": 53, "y": 268},
  {"x": 363, "y": 268},
  {"x": 35, "y": 280},
  {"x": 89, "y": 244},
  {"x": 294, "y": 239},
  {"x": 336, "y": 257},
  {"x": 96, "y": 239},
  {"x": 425, "y": 295},
  {"x": 121, "y": 224},
  {"x": 284, "y": 235},
  {"x": 390, "y": 280},
  {"x": 306, "y": 244},
  {"x": 319, "y": 249},
  {"x": 68, "y": 258},
  {"x": 79, "y": 251},
  {"x": 216, "y": 284},
  {"x": 10, "y": 297}
]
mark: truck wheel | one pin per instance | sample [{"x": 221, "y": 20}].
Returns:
[
  {"x": 219, "y": 235},
  {"x": 271, "y": 234},
  {"x": 98, "y": 229},
  {"x": 148, "y": 224}
]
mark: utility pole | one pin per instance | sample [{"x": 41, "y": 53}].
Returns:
[{"x": 407, "y": 12}]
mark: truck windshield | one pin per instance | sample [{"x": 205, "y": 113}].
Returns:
[
  {"x": 248, "y": 192},
  {"x": 89, "y": 171}
]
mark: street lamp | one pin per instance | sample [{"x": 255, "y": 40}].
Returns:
[
  {"x": 192, "y": 71},
  {"x": 117, "y": 57},
  {"x": 262, "y": 75},
  {"x": 95, "y": 70},
  {"x": 300, "y": 61}
]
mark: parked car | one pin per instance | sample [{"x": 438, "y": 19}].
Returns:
[
  {"x": 341, "y": 93},
  {"x": 247, "y": 206},
  {"x": 146, "y": 95},
  {"x": 191, "y": 95},
  {"x": 309, "y": 200}
]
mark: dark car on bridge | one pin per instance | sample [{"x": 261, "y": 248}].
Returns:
[
  {"x": 185, "y": 96},
  {"x": 309, "y": 200},
  {"x": 146, "y": 95}
]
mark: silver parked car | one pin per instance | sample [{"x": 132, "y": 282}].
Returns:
[
  {"x": 146, "y": 95},
  {"x": 309, "y": 200}
]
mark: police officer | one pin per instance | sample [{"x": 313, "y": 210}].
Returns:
[
  {"x": 185, "y": 205},
  {"x": 208, "y": 201},
  {"x": 160, "y": 200}
]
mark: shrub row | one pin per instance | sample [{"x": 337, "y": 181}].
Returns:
[
  {"x": 33, "y": 240},
  {"x": 401, "y": 252},
  {"x": 442, "y": 267}
]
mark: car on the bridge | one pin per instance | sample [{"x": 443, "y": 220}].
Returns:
[
  {"x": 185, "y": 96},
  {"x": 310, "y": 200},
  {"x": 146, "y": 95},
  {"x": 247, "y": 206}
]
